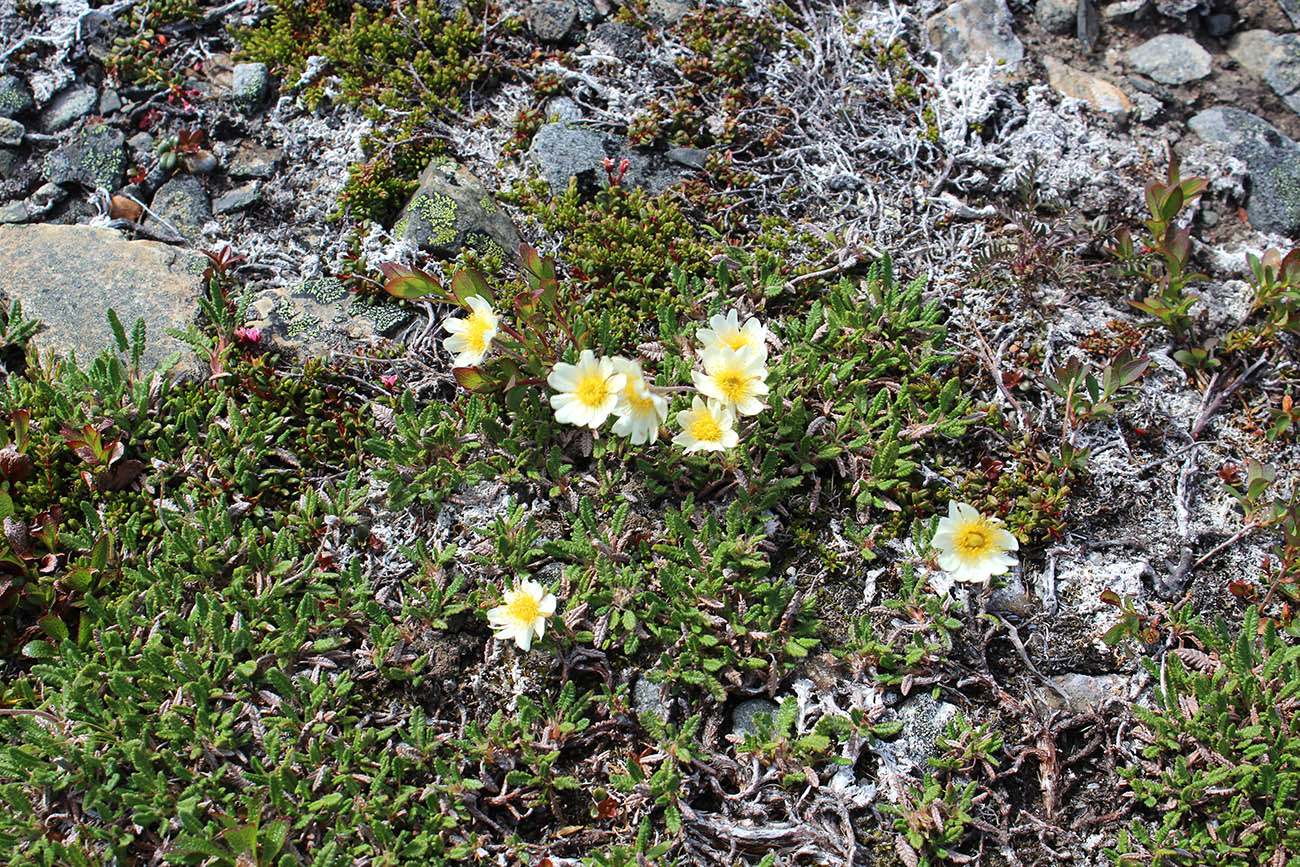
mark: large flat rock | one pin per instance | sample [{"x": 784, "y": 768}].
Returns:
[
  {"x": 1273, "y": 161},
  {"x": 69, "y": 276}
]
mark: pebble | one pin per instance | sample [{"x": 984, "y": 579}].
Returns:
[
  {"x": 14, "y": 212},
  {"x": 551, "y": 20},
  {"x": 1171, "y": 59},
  {"x": 184, "y": 204},
  {"x": 109, "y": 101},
  {"x": 646, "y": 700},
  {"x": 238, "y": 199},
  {"x": 68, "y": 106},
  {"x": 1057, "y": 16},
  {"x": 251, "y": 85},
  {"x": 742, "y": 717},
  {"x": 1098, "y": 93},
  {"x": 972, "y": 31},
  {"x": 252, "y": 160},
  {"x": 11, "y": 132},
  {"x": 617, "y": 39},
  {"x": 15, "y": 96}
]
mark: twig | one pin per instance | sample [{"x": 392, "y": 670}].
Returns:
[
  {"x": 1210, "y": 405},
  {"x": 991, "y": 361}
]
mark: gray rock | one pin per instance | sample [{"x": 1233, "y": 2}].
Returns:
[
  {"x": 141, "y": 143},
  {"x": 1012, "y": 598},
  {"x": 96, "y": 157},
  {"x": 1274, "y": 58},
  {"x": 1273, "y": 160},
  {"x": 551, "y": 20},
  {"x": 14, "y": 212},
  {"x": 1056, "y": 16},
  {"x": 618, "y": 39},
  {"x": 1084, "y": 693},
  {"x": 1171, "y": 59},
  {"x": 1087, "y": 26},
  {"x": 844, "y": 182},
  {"x": 11, "y": 132},
  {"x": 561, "y": 109},
  {"x": 238, "y": 199},
  {"x": 971, "y": 31},
  {"x": 1219, "y": 25},
  {"x": 251, "y": 85},
  {"x": 742, "y": 717},
  {"x": 452, "y": 209},
  {"x": 320, "y": 316},
  {"x": 46, "y": 196},
  {"x": 691, "y": 158},
  {"x": 669, "y": 11},
  {"x": 109, "y": 101},
  {"x": 1292, "y": 10},
  {"x": 562, "y": 151},
  {"x": 10, "y": 160},
  {"x": 924, "y": 720},
  {"x": 254, "y": 161},
  {"x": 184, "y": 204},
  {"x": 68, "y": 106},
  {"x": 1177, "y": 8},
  {"x": 68, "y": 277},
  {"x": 15, "y": 96},
  {"x": 201, "y": 162},
  {"x": 1123, "y": 9},
  {"x": 647, "y": 699}
]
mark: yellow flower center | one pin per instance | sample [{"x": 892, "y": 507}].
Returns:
[
  {"x": 475, "y": 328},
  {"x": 640, "y": 405},
  {"x": 592, "y": 390},
  {"x": 706, "y": 428},
  {"x": 733, "y": 384},
  {"x": 737, "y": 340},
  {"x": 521, "y": 607},
  {"x": 974, "y": 540}
]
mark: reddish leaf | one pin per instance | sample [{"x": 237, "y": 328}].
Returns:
[
  {"x": 472, "y": 379},
  {"x": 14, "y": 465}
]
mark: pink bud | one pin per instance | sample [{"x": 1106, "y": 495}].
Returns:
[
  {"x": 389, "y": 380},
  {"x": 250, "y": 336}
]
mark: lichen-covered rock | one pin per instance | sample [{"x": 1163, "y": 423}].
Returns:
[
  {"x": 96, "y": 157},
  {"x": 252, "y": 160},
  {"x": 669, "y": 11},
  {"x": 551, "y": 20},
  {"x": 69, "y": 276},
  {"x": 11, "y": 132},
  {"x": 451, "y": 209},
  {"x": 251, "y": 85},
  {"x": 238, "y": 199},
  {"x": 185, "y": 205},
  {"x": 1273, "y": 161},
  {"x": 742, "y": 717},
  {"x": 318, "y": 316},
  {"x": 1171, "y": 59},
  {"x": 1056, "y": 16},
  {"x": 68, "y": 106},
  {"x": 924, "y": 720},
  {"x": 617, "y": 39},
  {"x": 15, "y": 96},
  {"x": 972, "y": 31}
]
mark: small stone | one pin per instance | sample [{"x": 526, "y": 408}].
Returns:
[
  {"x": 1123, "y": 9},
  {"x": 1148, "y": 107},
  {"x": 1273, "y": 161},
  {"x": 96, "y": 157},
  {"x": 1056, "y": 16},
  {"x": 973, "y": 31},
  {"x": 924, "y": 720},
  {"x": 1087, "y": 26},
  {"x": 551, "y": 20},
  {"x": 669, "y": 11},
  {"x": 252, "y": 160},
  {"x": 11, "y": 132},
  {"x": 68, "y": 106},
  {"x": 123, "y": 208},
  {"x": 109, "y": 102},
  {"x": 1100, "y": 95},
  {"x": 561, "y": 109},
  {"x": 15, "y": 96},
  {"x": 451, "y": 209},
  {"x": 183, "y": 203},
  {"x": 617, "y": 39},
  {"x": 10, "y": 160},
  {"x": 251, "y": 85},
  {"x": 1274, "y": 58},
  {"x": 692, "y": 158},
  {"x": 14, "y": 212},
  {"x": 201, "y": 162},
  {"x": 68, "y": 277},
  {"x": 141, "y": 143},
  {"x": 843, "y": 182},
  {"x": 1084, "y": 693},
  {"x": 742, "y": 717},
  {"x": 1220, "y": 24},
  {"x": 646, "y": 699},
  {"x": 561, "y": 151},
  {"x": 47, "y": 195},
  {"x": 1171, "y": 59},
  {"x": 238, "y": 199}
]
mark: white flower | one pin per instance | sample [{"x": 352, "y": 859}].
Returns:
[
  {"x": 971, "y": 547},
  {"x": 706, "y": 427},
  {"x": 471, "y": 337},
  {"x": 640, "y": 411},
  {"x": 727, "y": 331},
  {"x": 522, "y": 613},
  {"x": 588, "y": 390},
  {"x": 734, "y": 378}
]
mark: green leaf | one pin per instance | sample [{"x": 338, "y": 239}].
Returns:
[
  {"x": 119, "y": 333},
  {"x": 39, "y": 650},
  {"x": 467, "y": 283},
  {"x": 53, "y": 627},
  {"x": 412, "y": 284}
]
